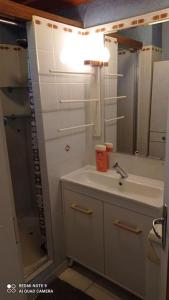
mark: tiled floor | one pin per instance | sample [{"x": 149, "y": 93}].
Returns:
[
  {"x": 93, "y": 285},
  {"x": 32, "y": 254}
]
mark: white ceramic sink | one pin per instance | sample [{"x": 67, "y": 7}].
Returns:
[{"x": 142, "y": 189}]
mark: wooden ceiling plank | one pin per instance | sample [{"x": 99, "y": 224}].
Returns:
[
  {"x": 51, "y": 4},
  {"x": 23, "y": 12},
  {"x": 27, "y": 2},
  {"x": 78, "y": 2},
  {"x": 126, "y": 41}
]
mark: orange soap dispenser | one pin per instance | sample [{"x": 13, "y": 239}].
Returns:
[{"x": 101, "y": 158}]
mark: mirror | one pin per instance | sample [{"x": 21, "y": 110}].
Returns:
[{"x": 136, "y": 88}]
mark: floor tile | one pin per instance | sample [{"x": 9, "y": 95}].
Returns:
[
  {"x": 85, "y": 272},
  {"x": 76, "y": 279},
  {"x": 99, "y": 293},
  {"x": 114, "y": 289},
  {"x": 30, "y": 240}
]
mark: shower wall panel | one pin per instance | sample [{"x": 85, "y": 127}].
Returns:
[{"x": 18, "y": 135}]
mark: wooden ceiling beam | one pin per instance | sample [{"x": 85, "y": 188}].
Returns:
[
  {"x": 27, "y": 2},
  {"x": 47, "y": 5},
  {"x": 18, "y": 11},
  {"x": 126, "y": 41},
  {"x": 51, "y": 4},
  {"x": 77, "y": 2}
]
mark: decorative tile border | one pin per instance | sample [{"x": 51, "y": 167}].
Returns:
[
  {"x": 9, "y": 47},
  {"x": 102, "y": 29},
  {"x": 107, "y": 28},
  {"x": 133, "y": 21},
  {"x": 107, "y": 40},
  {"x": 37, "y": 170},
  {"x": 37, "y": 22},
  {"x": 145, "y": 48},
  {"x": 151, "y": 47},
  {"x": 67, "y": 29}
]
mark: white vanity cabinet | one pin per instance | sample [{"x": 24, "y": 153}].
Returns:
[
  {"x": 83, "y": 218},
  {"x": 106, "y": 237},
  {"x": 126, "y": 235}
]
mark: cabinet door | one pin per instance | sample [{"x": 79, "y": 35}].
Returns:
[
  {"x": 125, "y": 247},
  {"x": 157, "y": 150},
  {"x": 159, "y": 106},
  {"x": 84, "y": 229}
]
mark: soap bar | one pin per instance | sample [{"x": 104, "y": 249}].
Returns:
[{"x": 101, "y": 158}]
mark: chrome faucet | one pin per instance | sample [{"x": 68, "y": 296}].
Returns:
[{"x": 119, "y": 170}]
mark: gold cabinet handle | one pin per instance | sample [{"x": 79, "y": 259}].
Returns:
[
  {"x": 86, "y": 211},
  {"x": 121, "y": 225}
]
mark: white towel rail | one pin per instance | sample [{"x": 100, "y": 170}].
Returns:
[
  {"x": 71, "y": 73},
  {"x": 113, "y": 75},
  {"x": 79, "y": 100},
  {"x": 114, "y": 119},
  {"x": 75, "y": 127},
  {"x": 116, "y": 97}
]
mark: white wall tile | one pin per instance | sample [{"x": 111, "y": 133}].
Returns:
[
  {"x": 44, "y": 36},
  {"x": 45, "y": 61},
  {"x": 48, "y": 89},
  {"x": 62, "y": 119},
  {"x": 56, "y": 149}
]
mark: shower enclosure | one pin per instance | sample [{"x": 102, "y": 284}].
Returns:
[
  {"x": 25, "y": 175},
  {"x": 21, "y": 138}
]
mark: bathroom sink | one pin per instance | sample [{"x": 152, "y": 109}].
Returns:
[
  {"x": 142, "y": 189},
  {"x": 120, "y": 185}
]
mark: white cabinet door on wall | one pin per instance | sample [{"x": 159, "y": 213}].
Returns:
[
  {"x": 159, "y": 108},
  {"x": 147, "y": 55},
  {"x": 84, "y": 229},
  {"x": 125, "y": 247},
  {"x": 160, "y": 96},
  {"x": 157, "y": 144}
]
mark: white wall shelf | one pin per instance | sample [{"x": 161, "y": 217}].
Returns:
[
  {"x": 116, "y": 98},
  {"x": 75, "y": 127},
  {"x": 113, "y": 75},
  {"x": 70, "y": 73},
  {"x": 114, "y": 119},
  {"x": 79, "y": 100}
]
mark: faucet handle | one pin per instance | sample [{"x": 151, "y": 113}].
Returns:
[{"x": 115, "y": 164}]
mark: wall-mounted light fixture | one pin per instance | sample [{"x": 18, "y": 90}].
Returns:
[
  {"x": 72, "y": 53},
  {"x": 79, "y": 51},
  {"x": 96, "y": 63},
  {"x": 98, "y": 58}
]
